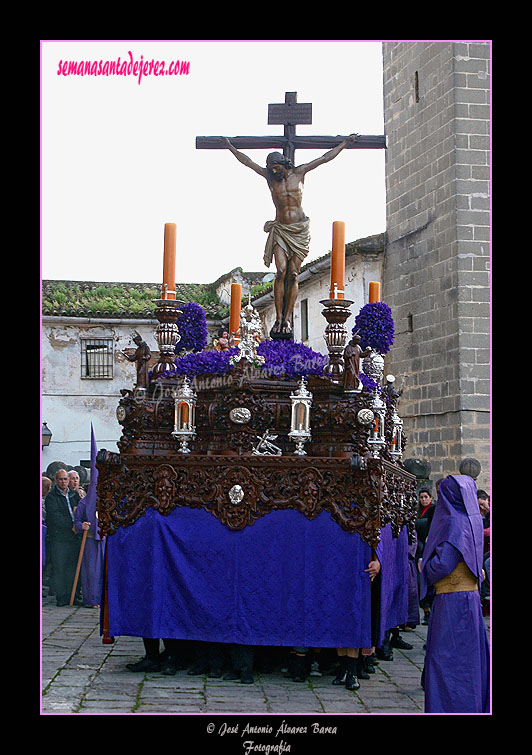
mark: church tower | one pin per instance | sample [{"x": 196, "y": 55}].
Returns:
[{"x": 436, "y": 265}]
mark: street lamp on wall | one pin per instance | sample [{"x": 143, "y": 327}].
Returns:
[{"x": 46, "y": 435}]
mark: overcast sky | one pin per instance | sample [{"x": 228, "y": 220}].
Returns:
[{"x": 118, "y": 157}]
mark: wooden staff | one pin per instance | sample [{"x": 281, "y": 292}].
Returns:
[
  {"x": 106, "y": 639},
  {"x": 78, "y": 567}
]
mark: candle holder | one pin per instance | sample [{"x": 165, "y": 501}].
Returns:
[
  {"x": 373, "y": 366},
  {"x": 336, "y": 313},
  {"x": 184, "y": 415},
  {"x": 167, "y": 333},
  {"x": 300, "y": 422}
]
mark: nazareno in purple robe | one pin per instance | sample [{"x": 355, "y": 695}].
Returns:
[
  {"x": 413, "y": 591},
  {"x": 457, "y": 663},
  {"x": 92, "y": 565}
]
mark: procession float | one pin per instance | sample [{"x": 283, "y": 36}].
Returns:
[{"x": 253, "y": 482}]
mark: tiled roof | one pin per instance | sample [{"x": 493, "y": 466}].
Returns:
[
  {"x": 369, "y": 244},
  {"x": 136, "y": 300},
  {"x": 120, "y": 300},
  {"x": 251, "y": 279}
]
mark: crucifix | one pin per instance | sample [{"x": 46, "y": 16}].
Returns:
[
  {"x": 288, "y": 235},
  {"x": 288, "y": 114}
]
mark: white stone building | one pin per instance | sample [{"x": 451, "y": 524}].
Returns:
[
  {"x": 363, "y": 263},
  {"x": 83, "y": 370}
]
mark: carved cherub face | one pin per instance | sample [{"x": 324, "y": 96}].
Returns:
[{"x": 163, "y": 489}]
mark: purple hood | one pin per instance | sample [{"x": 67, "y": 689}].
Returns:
[{"x": 457, "y": 520}]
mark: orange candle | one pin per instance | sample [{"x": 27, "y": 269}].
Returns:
[
  {"x": 374, "y": 292},
  {"x": 168, "y": 290},
  {"x": 236, "y": 305},
  {"x": 338, "y": 261},
  {"x": 184, "y": 414}
]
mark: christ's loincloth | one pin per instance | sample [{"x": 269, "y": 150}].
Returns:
[{"x": 293, "y": 238}]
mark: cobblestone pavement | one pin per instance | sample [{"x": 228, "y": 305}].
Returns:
[{"x": 80, "y": 675}]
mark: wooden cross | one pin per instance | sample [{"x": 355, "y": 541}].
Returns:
[{"x": 288, "y": 114}]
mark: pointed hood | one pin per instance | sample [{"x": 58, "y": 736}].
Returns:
[{"x": 457, "y": 520}]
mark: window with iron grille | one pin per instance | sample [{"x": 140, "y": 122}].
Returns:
[{"x": 97, "y": 358}]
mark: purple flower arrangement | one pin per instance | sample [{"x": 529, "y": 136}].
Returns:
[
  {"x": 282, "y": 359},
  {"x": 192, "y": 326},
  {"x": 375, "y": 326},
  {"x": 211, "y": 362},
  {"x": 290, "y": 359},
  {"x": 369, "y": 384}
]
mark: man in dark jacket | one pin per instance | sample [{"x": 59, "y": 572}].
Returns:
[{"x": 64, "y": 543}]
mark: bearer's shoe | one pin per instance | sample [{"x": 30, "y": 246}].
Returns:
[
  {"x": 340, "y": 679},
  {"x": 246, "y": 677},
  {"x": 168, "y": 667},
  {"x": 299, "y": 670},
  {"x": 398, "y": 642},
  {"x": 361, "y": 668},
  {"x": 342, "y": 673},
  {"x": 351, "y": 682},
  {"x": 385, "y": 652},
  {"x": 315, "y": 669},
  {"x": 145, "y": 664},
  {"x": 197, "y": 669},
  {"x": 231, "y": 676}
]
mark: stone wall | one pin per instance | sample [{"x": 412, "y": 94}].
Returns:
[
  {"x": 69, "y": 402},
  {"x": 436, "y": 268}
]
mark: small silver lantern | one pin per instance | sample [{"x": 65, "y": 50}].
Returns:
[
  {"x": 376, "y": 439},
  {"x": 184, "y": 415},
  {"x": 300, "y": 423}
]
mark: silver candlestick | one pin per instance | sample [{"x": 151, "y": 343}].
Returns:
[
  {"x": 336, "y": 312},
  {"x": 167, "y": 333}
]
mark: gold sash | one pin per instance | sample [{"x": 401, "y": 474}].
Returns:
[{"x": 461, "y": 579}]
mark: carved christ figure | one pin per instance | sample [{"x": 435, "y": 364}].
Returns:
[{"x": 288, "y": 235}]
